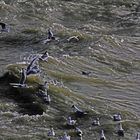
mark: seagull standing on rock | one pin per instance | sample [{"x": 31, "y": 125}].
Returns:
[{"x": 50, "y": 37}]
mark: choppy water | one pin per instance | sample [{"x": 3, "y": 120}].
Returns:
[{"x": 109, "y": 48}]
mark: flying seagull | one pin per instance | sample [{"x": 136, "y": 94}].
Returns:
[
  {"x": 34, "y": 70},
  {"x": 50, "y": 34},
  {"x": 86, "y": 73},
  {"x": 44, "y": 56},
  {"x": 22, "y": 79},
  {"x": 73, "y": 39},
  {"x": 4, "y": 28},
  {"x": 32, "y": 65}
]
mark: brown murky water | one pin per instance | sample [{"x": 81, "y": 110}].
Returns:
[{"x": 109, "y": 48}]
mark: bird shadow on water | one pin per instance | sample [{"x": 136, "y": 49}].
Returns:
[{"x": 26, "y": 99}]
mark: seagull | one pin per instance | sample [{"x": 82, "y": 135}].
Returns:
[
  {"x": 22, "y": 80},
  {"x": 44, "y": 86},
  {"x": 33, "y": 70},
  {"x": 117, "y": 117},
  {"x": 137, "y": 137},
  {"x": 102, "y": 137},
  {"x": 51, "y": 132},
  {"x": 78, "y": 111},
  {"x": 96, "y": 122},
  {"x": 50, "y": 37},
  {"x": 85, "y": 73},
  {"x": 71, "y": 122},
  {"x": 4, "y": 28},
  {"x": 73, "y": 39},
  {"x": 32, "y": 63},
  {"x": 47, "y": 99},
  {"x": 44, "y": 57},
  {"x": 50, "y": 34},
  {"x": 79, "y": 132},
  {"x": 23, "y": 77},
  {"x": 42, "y": 93},
  {"x": 120, "y": 130},
  {"x": 66, "y": 136}
]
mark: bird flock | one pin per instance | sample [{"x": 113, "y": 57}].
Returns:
[
  {"x": 71, "y": 123},
  {"x": 33, "y": 68}
]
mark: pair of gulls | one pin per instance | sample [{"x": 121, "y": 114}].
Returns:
[
  {"x": 80, "y": 113},
  {"x": 32, "y": 68},
  {"x": 4, "y": 28},
  {"x": 51, "y": 133},
  {"x": 50, "y": 37}
]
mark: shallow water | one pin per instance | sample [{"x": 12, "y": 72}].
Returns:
[{"x": 109, "y": 48}]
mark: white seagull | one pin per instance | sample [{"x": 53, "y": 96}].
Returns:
[
  {"x": 102, "y": 137},
  {"x": 51, "y": 132},
  {"x": 71, "y": 122},
  {"x": 117, "y": 117}
]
